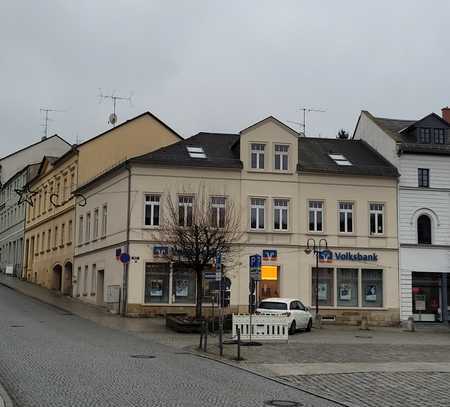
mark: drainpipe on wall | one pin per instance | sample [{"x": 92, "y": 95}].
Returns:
[{"x": 127, "y": 246}]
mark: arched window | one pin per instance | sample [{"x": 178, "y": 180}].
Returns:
[{"x": 424, "y": 229}]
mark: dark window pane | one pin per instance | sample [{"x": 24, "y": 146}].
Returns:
[
  {"x": 277, "y": 161},
  {"x": 325, "y": 286},
  {"x": 147, "y": 215},
  {"x": 221, "y": 217},
  {"x": 372, "y": 288},
  {"x": 342, "y": 222},
  {"x": 372, "y": 223},
  {"x": 156, "y": 283},
  {"x": 253, "y": 160},
  {"x": 183, "y": 285},
  {"x": 380, "y": 223},
  {"x": 261, "y": 218},
  {"x": 424, "y": 230},
  {"x": 319, "y": 221},
  {"x": 285, "y": 162},
  {"x": 253, "y": 218},
  {"x": 284, "y": 220},
  {"x": 261, "y": 161},
  {"x": 276, "y": 224},
  {"x": 181, "y": 215},
  {"x": 347, "y": 287},
  {"x": 189, "y": 216},
  {"x": 156, "y": 215}
]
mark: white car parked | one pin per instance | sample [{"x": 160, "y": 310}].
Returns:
[{"x": 299, "y": 315}]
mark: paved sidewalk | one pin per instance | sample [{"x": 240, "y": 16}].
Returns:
[{"x": 147, "y": 328}]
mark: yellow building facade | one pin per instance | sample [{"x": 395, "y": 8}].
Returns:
[{"x": 50, "y": 221}]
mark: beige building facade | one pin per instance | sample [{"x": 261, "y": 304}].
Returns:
[
  {"x": 288, "y": 190},
  {"x": 50, "y": 226}
]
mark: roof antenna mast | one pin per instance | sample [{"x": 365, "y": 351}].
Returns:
[
  {"x": 47, "y": 119},
  {"x": 112, "y": 119},
  {"x": 308, "y": 110}
]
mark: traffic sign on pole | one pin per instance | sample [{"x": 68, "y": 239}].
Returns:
[{"x": 255, "y": 267}]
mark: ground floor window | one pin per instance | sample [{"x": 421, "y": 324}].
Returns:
[
  {"x": 184, "y": 285},
  {"x": 157, "y": 283},
  {"x": 347, "y": 287},
  {"x": 324, "y": 287},
  {"x": 372, "y": 288},
  {"x": 341, "y": 287},
  {"x": 427, "y": 296}
]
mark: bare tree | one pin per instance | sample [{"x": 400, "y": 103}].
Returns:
[{"x": 198, "y": 229}]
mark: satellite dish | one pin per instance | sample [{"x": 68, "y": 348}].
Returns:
[{"x": 112, "y": 119}]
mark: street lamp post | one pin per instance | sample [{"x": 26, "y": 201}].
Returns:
[{"x": 312, "y": 247}]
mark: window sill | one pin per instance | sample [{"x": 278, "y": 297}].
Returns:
[
  {"x": 257, "y": 231},
  {"x": 92, "y": 294},
  {"x": 346, "y": 234},
  {"x": 94, "y": 240},
  {"x": 150, "y": 227},
  {"x": 378, "y": 236},
  {"x": 311, "y": 232},
  {"x": 281, "y": 232},
  {"x": 84, "y": 294}
]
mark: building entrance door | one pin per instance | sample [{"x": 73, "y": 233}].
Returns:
[
  {"x": 427, "y": 297},
  {"x": 100, "y": 287}
]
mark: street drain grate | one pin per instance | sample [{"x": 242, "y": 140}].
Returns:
[
  {"x": 282, "y": 403},
  {"x": 16, "y": 326},
  {"x": 142, "y": 357}
]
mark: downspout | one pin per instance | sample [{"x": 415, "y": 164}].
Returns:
[{"x": 127, "y": 245}]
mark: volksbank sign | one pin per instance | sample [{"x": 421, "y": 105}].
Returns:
[{"x": 327, "y": 256}]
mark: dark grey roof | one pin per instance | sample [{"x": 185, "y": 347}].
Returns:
[
  {"x": 219, "y": 149},
  {"x": 415, "y": 148},
  {"x": 314, "y": 156},
  {"x": 392, "y": 127}
]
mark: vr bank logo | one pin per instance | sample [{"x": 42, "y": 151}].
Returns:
[{"x": 327, "y": 256}]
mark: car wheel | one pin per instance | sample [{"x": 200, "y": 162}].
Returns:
[
  {"x": 309, "y": 326},
  {"x": 293, "y": 328}
]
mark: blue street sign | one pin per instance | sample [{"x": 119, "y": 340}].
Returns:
[
  {"x": 125, "y": 258},
  {"x": 255, "y": 267},
  {"x": 218, "y": 267}
]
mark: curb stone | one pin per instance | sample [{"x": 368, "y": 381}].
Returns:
[{"x": 5, "y": 400}]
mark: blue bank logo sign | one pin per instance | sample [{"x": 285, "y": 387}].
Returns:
[{"x": 327, "y": 256}]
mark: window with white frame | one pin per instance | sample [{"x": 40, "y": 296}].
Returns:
[
  {"x": 346, "y": 217},
  {"x": 281, "y": 157},
  {"x": 80, "y": 229},
  {"x": 152, "y": 210},
  {"x": 95, "y": 228},
  {"x": 257, "y": 156},
  {"x": 315, "y": 216},
  {"x": 257, "y": 211},
  {"x": 185, "y": 203},
  {"x": 104, "y": 219},
  {"x": 280, "y": 214},
  {"x": 218, "y": 211},
  {"x": 376, "y": 214},
  {"x": 88, "y": 227}
]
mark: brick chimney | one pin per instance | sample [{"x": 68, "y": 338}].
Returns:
[{"x": 446, "y": 114}]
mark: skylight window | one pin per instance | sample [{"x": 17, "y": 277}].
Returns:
[
  {"x": 340, "y": 159},
  {"x": 196, "y": 152}
]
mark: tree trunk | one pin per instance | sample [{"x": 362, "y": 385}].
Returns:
[{"x": 198, "y": 305}]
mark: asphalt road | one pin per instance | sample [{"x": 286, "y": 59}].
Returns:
[{"x": 51, "y": 358}]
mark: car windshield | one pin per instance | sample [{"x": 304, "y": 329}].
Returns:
[{"x": 273, "y": 305}]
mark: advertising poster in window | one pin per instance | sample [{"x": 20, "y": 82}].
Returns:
[
  {"x": 156, "y": 288},
  {"x": 323, "y": 291},
  {"x": 371, "y": 293},
  {"x": 345, "y": 292},
  {"x": 181, "y": 288}
]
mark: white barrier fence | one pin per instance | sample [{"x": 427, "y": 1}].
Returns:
[{"x": 261, "y": 327}]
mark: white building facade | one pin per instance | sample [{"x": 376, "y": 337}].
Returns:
[
  {"x": 420, "y": 149},
  {"x": 287, "y": 190},
  {"x": 16, "y": 170}
]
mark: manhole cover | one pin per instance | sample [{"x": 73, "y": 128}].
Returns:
[
  {"x": 282, "y": 403},
  {"x": 142, "y": 356},
  {"x": 363, "y": 336},
  {"x": 16, "y": 326}
]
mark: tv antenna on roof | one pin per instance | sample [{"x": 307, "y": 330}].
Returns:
[
  {"x": 303, "y": 124},
  {"x": 112, "y": 119},
  {"x": 47, "y": 119}
]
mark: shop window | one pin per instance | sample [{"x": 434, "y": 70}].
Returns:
[
  {"x": 372, "y": 288},
  {"x": 424, "y": 229},
  {"x": 325, "y": 286},
  {"x": 183, "y": 285},
  {"x": 157, "y": 283},
  {"x": 347, "y": 287}
]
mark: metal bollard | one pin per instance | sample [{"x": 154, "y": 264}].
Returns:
[
  {"x": 205, "y": 341},
  {"x": 238, "y": 331},
  {"x": 411, "y": 324},
  {"x": 200, "y": 346}
]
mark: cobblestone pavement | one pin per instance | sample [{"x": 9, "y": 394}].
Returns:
[
  {"x": 397, "y": 389},
  {"x": 52, "y": 358}
]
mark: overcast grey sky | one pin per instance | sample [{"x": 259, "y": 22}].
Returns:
[{"x": 218, "y": 65}]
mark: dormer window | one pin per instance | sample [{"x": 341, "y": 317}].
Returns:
[
  {"x": 196, "y": 152},
  {"x": 424, "y": 135},
  {"x": 281, "y": 157},
  {"x": 340, "y": 159},
  {"x": 257, "y": 156},
  {"x": 439, "y": 136}
]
